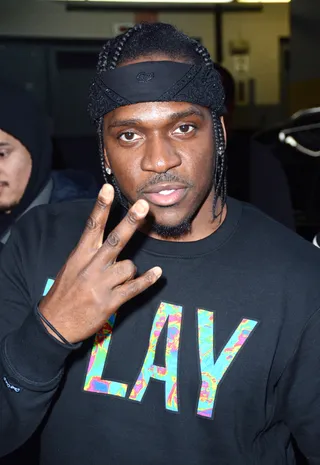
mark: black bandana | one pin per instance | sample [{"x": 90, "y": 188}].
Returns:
[{"x": 155, "y": 81}]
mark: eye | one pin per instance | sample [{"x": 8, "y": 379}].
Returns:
[
  {"x": 185, "y": 129},
  {"x": 3, "y": 154},
  {"x": 128, "y": 136}
]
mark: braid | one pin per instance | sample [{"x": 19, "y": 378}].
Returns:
[
  {"x": 220, "y": 178},
  {"x": 205, "y": 55},
  {"x": 103, "y": 65},
  {"x": 121, "y": 43},
  {"x": 103, "y": 57},
  {"x": 101, "y": 150}
]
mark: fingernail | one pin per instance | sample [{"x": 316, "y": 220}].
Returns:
[
  {"x": 106, "y": 191},
  {"x": 157, "y": 271},
  {"x": 141, "y": 206}
]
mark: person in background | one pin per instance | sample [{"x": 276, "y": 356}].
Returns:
[
  {"x": 253, "y": 166},
  {"x": 26, "y": 178}
]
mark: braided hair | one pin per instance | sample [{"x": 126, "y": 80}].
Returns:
[{"x": 147, "y": 39}]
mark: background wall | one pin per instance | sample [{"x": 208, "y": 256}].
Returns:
[
  {"x": 45, "y": 19},
  {"x": 305, "y": 71},
  {"x": 195, "y": 24},
  {"x": 262, "y": 31},
  {"x": 39, "y": 18}
]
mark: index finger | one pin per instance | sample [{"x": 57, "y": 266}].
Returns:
[
  {"x": 92, "y": 235},
  {"x": 121, "y": 234}
]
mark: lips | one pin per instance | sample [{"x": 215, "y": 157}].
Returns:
[{"x": 165, "y": 195}]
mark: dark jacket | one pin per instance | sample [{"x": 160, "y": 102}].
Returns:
[{"x": 64, "y": 185}]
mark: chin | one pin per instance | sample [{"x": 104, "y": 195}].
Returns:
[
  {"x": 7, "y": 207},
  {"x": 171, "y": 226},
  {"x": 172, "y": 231}
]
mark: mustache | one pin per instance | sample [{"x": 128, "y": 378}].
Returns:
[{"x": 164, "y": 178}]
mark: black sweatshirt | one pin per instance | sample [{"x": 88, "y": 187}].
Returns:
[{"x": 218, "y": 363}]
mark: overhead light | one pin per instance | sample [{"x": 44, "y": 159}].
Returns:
[
  {"x": 162, "y": 2},
  {"x": 170, "y": 2},
  {"x": 264, "y": 1}
]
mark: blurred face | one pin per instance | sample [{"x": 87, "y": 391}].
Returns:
[
  {"x": 15, "y": 171},
  {"x": 163, "y": 152}
]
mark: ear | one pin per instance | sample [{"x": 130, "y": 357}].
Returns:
[{"x": 224, "y": 129}]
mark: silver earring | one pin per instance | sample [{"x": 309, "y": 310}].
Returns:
[{"x": 108, "y": 170}]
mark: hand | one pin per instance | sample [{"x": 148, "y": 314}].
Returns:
[{"x": 92, "y": 285}]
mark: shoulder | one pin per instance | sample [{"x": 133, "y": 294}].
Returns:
[
  {"x": 279, "y": 255},
  {"x": 56, "y": 217},
  {"x": 47, "y": 227},
  {"x": 41, "y": 242},
  {"x": 271, "y": 237}
]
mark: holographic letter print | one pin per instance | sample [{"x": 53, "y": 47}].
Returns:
[
  {"x": 169, "y": 373},
  {"x": 48, "y": 286},
  {"x": 212, "y": 372},
  {"x": 93, "y": 381}
]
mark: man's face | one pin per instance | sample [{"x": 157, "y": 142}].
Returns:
[
  {"x": 163, "y": 153},
  {"x": 15, "y": 171}
]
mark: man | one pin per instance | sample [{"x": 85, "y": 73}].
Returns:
[
  {"x": 184, "y": 330},
  {"x": 26, "y": 179}
]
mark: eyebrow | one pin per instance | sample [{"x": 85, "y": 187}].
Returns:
[
  {"x": 125, "y": 122},
  {"x": 184, "y": 114},
  {"x": 4, "y": 144},
  {"x": 173, "y": 117}
]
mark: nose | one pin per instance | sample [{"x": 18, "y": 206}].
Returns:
[{"x": 160, "y": 155}]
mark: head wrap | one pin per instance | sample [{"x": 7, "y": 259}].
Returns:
[
  {"x": 24, "y": 120},
  {"x": 155, "y": 81}
]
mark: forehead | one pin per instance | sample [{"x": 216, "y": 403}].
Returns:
[
  {"x": 9, "y": 141},
  {"x": 153, "y": 112}
]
